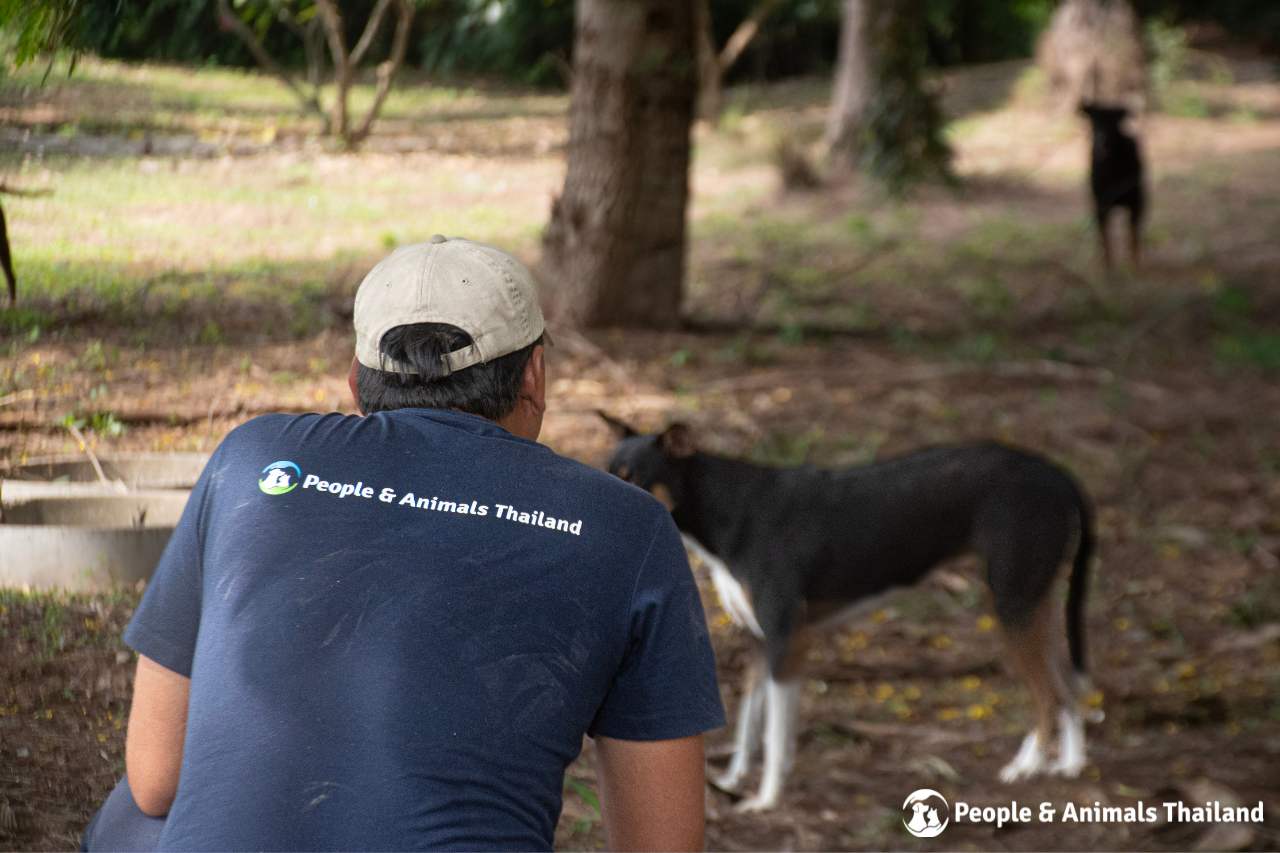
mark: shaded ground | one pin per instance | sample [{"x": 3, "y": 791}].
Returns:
[{"x": 167, "y": 298}]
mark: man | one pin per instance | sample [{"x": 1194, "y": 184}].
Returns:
[{"x": 392, "y": 631}]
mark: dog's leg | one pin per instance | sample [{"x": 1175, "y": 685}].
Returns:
[
  {"x": 1030, "y": 653},
  {"x": 781, "y": 699},
  {"x": 1071, "y": 688},
  {"x": 1028, "y": 761},
  {"x": 1104, "y": 238},
  {"x": 1135, "y": 236},
  {"x": 747, "y": 734}
]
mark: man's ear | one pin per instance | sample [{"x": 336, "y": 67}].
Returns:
[
  {"x": 677, "y": 442},
  {"x": 621, "y": 429},
  {"x": 533, "y": 385},
  {"x": 352, "y": 384}
]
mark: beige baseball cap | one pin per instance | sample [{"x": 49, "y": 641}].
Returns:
[{"x": 482, "y": 290}]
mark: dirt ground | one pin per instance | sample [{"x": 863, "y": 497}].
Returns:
[{"x": 879, "y": 327}]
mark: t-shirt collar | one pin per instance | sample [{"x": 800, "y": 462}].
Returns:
[{"x": 466, "y": 421}]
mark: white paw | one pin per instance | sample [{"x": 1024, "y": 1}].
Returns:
[
  {"x": 1020, "y": 768},
  {"x": 1070, "y": 768},
  {"x": 1028, "y": 762},
  {"x": 727, "y": 781},
  {"x": 756, "y": 804}
]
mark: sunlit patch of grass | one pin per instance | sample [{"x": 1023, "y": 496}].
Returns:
[{"x": 113, "y": 212}]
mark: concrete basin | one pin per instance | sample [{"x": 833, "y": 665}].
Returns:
[
  {"x": 134, "y": 470},
  {"x": 86, "y": 542}
]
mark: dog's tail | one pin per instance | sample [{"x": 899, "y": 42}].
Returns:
[{"x": 1078, "y": 584}]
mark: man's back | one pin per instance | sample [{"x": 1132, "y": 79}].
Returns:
[{"x": 399, "y": 627}]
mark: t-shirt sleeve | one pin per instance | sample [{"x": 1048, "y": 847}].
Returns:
[
  {"x": 165, "y": 625},
  {"x": 666, "y": 684}
]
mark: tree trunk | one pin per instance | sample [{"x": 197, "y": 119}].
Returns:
[
  {"x": 614, "y": 249},
  {"x": 331, "y": 17},
  {"x": 884, "y": 118},
  {"x": 709, "y": 85},
  {"x": 851, "y": 90}
]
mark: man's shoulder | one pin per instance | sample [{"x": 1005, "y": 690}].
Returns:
[
  {"x": 267, "y": 434},
  {"x": 276, "y": 424}
]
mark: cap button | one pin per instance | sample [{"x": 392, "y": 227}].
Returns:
[{"x": 438, "y": 238}]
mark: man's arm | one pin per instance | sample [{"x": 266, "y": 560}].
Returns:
[
  {"x": 652, "y": 793},
  {"x": 157, "y": 729}
]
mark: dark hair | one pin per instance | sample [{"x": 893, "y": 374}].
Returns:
[{"x": 489, "y": 390}]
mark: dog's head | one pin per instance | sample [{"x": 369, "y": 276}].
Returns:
[{"x": 654, "y": 462}]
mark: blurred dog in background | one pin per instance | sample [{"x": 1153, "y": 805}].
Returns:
[{"x": 1116, "y": 176}]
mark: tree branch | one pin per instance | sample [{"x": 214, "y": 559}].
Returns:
[
  {"x": 332, "y": 19},
  {"x": 743, "y": 35},
  {"x": 370, "y": 30},
  {"x": 387, "y": 70},
  {"x": 231, "y": 21}
]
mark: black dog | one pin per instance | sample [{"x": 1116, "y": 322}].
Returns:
[
  {"x": 1115, "y": 176},
  {"x": 795, "y": 550}
]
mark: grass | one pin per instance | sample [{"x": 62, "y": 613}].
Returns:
[
  {"x": 241, "y": 257},
  {"x": 290, "y": 228},
  {"x": 207, "y": 215},
  {"x": 118, "y": 97},
  {"x": 130, "y": 250},
  {"x": 117, "y": 232}
]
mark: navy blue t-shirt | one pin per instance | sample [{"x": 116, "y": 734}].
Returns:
[{"x": 399, "y": 627}]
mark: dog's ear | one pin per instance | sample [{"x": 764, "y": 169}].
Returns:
[
  {"x": 677, "y": 442},
  {"x": 620, "y": 429}
]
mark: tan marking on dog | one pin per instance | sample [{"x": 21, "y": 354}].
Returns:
[
  {"x": 663, "y": 494},
  {"x": 1031, "y": 655},
  {"x": 799, "y": 644}
]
